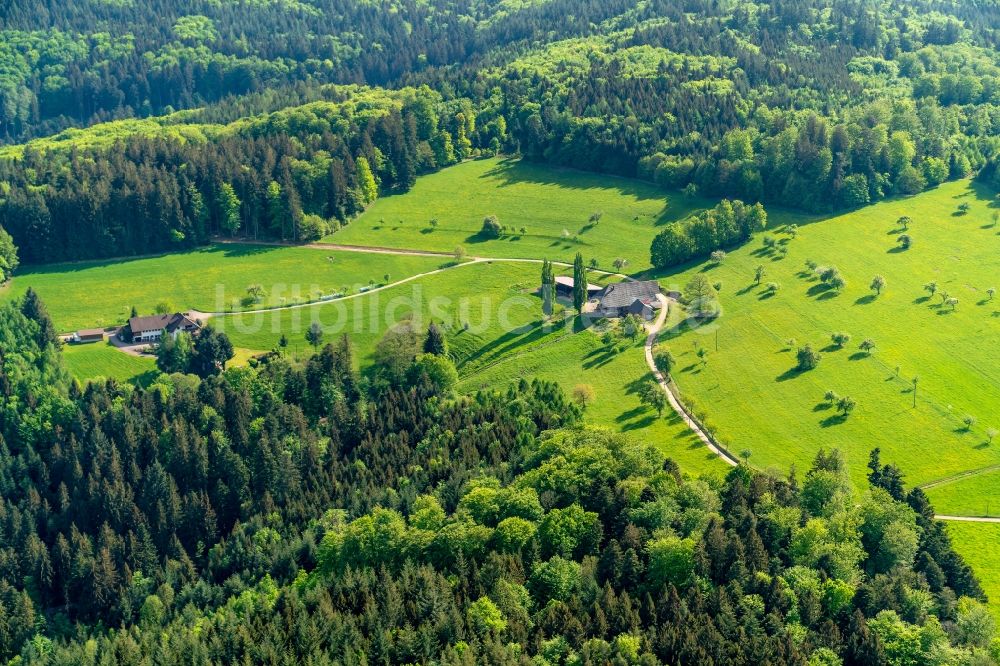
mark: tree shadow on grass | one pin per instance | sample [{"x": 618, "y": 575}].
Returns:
[
  {"x": 832, "y": 420},
  {"x": 921, "y": 300},
  {"x": 630, "y": 414},
  {"x": 896, "y": 249},
  {"x": 857, "y": 356},
  {"x": 818, "y": 289},
  {"x": 827, "y": 296},
  {"x": 822, "y": 407},
  {"x": 865, "y": 300},
  {"x": 791, "y": 373},
  {"x": 605, "y": 357},
  {"x": 644, "y": 422},
  {"x": 747, "y": 289}
]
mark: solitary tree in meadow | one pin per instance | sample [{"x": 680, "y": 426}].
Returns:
[
  {"x": 459, "y": 253},
  {"x": 759, "y": 274},
  {"x": 831, "y": 397},
  {"x": 953, "y": 302},
  {"x": 664, "y": 362},
  {"x": 969, "y": 421},
  {"x": 718, "y": 256},
  {"x": 877, "y": 285},
  {"x": 596, "y": 216},
  {"x": 594, "y": 263},
  {"x": 991, "y": 434},
  {"x": 991, "y": 292},
  {"x": 314, "y": 335},
  {"x": 867, "y": 345},
  {"x": 904, "y": 222},
  {"x": 619, "y": 263},
  {"x": 807, "y": 358},
  {"x": 840, "y": 338},
  {"x": 846, "y": 405},
  {"x": 652, "y": 396},
  {"x": 931, "y": 288},
  {"x": 583, "y": 394},
  {"x": 904, "y": 241},
  {"x": 255, "y": 293}
]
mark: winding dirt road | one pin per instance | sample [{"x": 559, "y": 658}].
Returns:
[{"x": 676, "y": 404}]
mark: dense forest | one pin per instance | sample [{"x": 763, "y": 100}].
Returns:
[
  {"x": 294, "y": 513},
  {"x": 815, "y": 104}
]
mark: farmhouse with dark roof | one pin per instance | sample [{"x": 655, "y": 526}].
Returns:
[
  {"x": 625, "y": 298},
  {"x": 153, "y": 327}
]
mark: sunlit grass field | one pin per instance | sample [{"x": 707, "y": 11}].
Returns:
[
  {"x": 979, "y": 545},
  {"x": 581, "y": 358},
  {"x": 753, "y": 397},
  {"x": 552, "y": 205},
  {"x": 102, "y": 293},
  {"x": 100, "y": 359}
]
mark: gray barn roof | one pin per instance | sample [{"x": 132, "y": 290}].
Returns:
[
  {"x": 567, "y": 282},
  {"x": 623, "y": 294},
  {"x": 160, "y": 322}
]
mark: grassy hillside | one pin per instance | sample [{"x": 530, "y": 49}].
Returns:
[
  {"x": 974, "y": 495},
  {"x": 89, "y": 294},
  {"x": 553, "y": 206},
  {"x": 102, "y": 360},
  {"x": 979, "y": 544},
  {"x": 493, "y": 298},
  {"x": 755, "y": 399},
  {"x": 581, "y": 358},
  {"x": 506, "y": 340}
]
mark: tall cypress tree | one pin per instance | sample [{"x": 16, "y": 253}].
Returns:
[
  {"x": 579, "y": 283},
  {"x": 548, "y": 287}
]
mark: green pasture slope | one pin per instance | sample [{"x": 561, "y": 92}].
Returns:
[
  {"x": 552, "y": 205},
  {"x": 102, "y": 293},
  {"x": 977, "y": 494},
  {"x": 102, "y": 360},
  {"x": 492, "y": 297},
  {"x": 506, "y": 340},
  {"x": 979, "y": 545},
  {"x": 755, "y": 399}
]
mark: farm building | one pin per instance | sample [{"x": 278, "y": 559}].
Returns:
[
  {"x": 625, "y": 298},
  {"x": 152, "y": 328},
  {"x": 88, "y": 335},
  {"x": 564, "y": 287}
]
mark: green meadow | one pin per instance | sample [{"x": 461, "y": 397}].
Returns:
[
  {"x": 552, "y": 205},
  {"x": 100, "y": 359},
  {"x": 581, "y": 358},
  {"x": 973, "y": 495},
  {"x": 753, "y": 398},
  {"x": 102, "y": 293},
  {"x": 495, "y": 299},
  {"x": 979, "y": 545}
]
